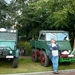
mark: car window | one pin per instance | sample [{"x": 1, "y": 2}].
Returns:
[{"x": 57, "y": 36}]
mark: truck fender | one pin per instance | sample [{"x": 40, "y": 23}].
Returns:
[
  {"x": 17, "y": 53},
  {"x": 47, "y": 52}
]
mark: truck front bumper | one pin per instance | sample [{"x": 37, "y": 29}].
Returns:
[
  {"x": 67, "y": 58},
  {"x": 8, "y": 57}
]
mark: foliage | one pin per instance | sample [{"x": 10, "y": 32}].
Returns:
[
  {"x": 35, "y": 15},
  {"x": 2, "y": 12},
  {"x": 26, "y": 46}
]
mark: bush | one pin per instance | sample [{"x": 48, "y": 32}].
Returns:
[{"x": 26, "y": 46}]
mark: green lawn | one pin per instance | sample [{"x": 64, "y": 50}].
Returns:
[{"x": 26, "y": 65}]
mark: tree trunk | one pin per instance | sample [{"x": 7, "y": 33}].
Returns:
[
  {"x": 33, "y": 37},
  {"x": 74, "y": 44}
]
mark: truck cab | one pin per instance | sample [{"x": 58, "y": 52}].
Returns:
[
  {"x": 41, "y": 49},
  {"x": 8, "y": 45}
]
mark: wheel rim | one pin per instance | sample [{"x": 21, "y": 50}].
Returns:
[
  {"x": 43, "y": 59},
  {"x": 33, "y": 55}
]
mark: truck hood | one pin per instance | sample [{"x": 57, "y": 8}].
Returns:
[
  {"x": 10, "y": 44},
  {"x": 64, "y": 45}
]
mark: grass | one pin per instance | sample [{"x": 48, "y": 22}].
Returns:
[{"x": 26, "y": 66}]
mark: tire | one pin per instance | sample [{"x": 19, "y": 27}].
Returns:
[
  {"x": 44, "y": 59},
  {"x": 15, "y": 62},
  {"x": 34, "y": 56}
]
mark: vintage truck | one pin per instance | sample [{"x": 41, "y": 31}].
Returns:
[
  {"x": 8, "y": 45},
  {"x": 40, "y": 49}
]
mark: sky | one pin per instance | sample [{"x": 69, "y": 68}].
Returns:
[{"x": 8, "y": 1}]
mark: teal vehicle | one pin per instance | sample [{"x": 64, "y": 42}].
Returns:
[
  {"x": 41, "y": 50},
  {"x": 8, "y": 45}
]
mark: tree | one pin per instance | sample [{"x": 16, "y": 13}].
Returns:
[
  {"x": 52, "y": 14},
  {"x": 35, "y": 15},
  {"x": 2, "y": 12}
]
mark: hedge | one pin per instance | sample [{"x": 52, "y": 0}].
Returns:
[{"x": 26, "y": 46}]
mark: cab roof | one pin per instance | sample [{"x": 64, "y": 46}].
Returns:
[{"x": 52, "y": 31}]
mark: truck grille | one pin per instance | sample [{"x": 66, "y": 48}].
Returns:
[{"x": 4, "y": 52}]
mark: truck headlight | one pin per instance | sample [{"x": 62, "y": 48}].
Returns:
[
  {"x": 13, "y": 31},
  {"x": 10, "y": 52},
  {"x": 69, "y": 51}
]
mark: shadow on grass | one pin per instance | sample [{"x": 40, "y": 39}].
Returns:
[{"x": 5, "y": 63}]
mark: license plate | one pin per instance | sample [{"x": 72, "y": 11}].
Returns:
[
  {"x": 70, "y": 55},
  {"x": 9, "y": 56}
]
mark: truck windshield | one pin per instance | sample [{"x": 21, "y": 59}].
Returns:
[
  {"x": 7, "y": 36},
  {"x": 57, "y": 36}
]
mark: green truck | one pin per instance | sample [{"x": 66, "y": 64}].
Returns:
[
  {"x": 8, "y": 45},
  {"x": 40, "y": 49}
]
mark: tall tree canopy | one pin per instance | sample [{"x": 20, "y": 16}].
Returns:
[
  {"x": 2, "y": 12},
  {"x": 32, "y": 16}
]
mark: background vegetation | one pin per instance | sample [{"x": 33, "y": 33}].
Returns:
[
  {"x": 26, "y": 47},
  {"x": 31, "y": 16}
]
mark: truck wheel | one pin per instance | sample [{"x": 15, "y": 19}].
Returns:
[
  {"x": 44, "y": 59},
  {"x": 15, "y": 62},
  {"x": 34, "y": 56}
]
